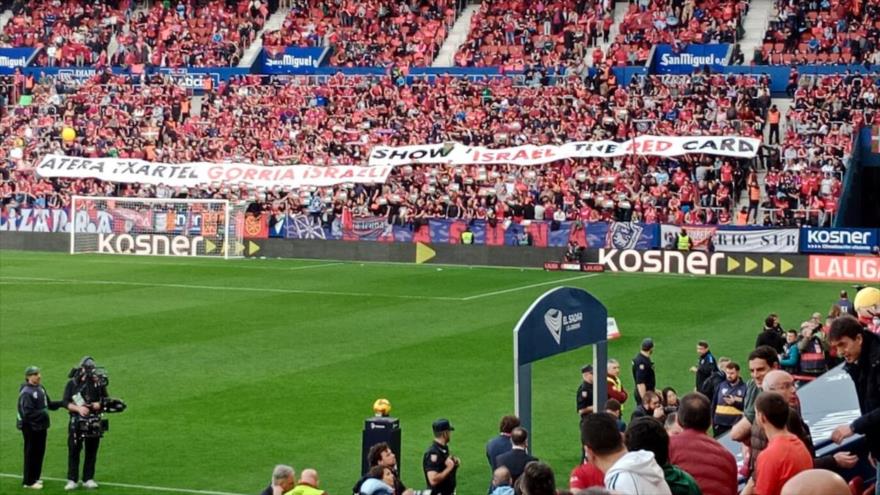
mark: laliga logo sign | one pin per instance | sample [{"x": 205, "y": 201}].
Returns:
[{"x": 557, "y": 321}]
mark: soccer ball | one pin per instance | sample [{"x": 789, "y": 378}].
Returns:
[{"x": 382, "y": 407}]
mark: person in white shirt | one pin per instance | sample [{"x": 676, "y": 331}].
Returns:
[{"x": 629, "y": 473}]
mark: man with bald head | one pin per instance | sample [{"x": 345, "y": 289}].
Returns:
[
  {"x": 308, "y": 484},
  {"x": 816, "y": 482},
  {"x": 782, "y": 383}
]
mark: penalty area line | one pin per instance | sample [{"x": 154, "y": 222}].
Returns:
[
  {"x": 226, "y": 288},
  {"x": 524, "y": 287},
  {"x": 138, "y": 487}
]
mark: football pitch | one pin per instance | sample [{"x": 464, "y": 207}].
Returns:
[{"x": 230, "y": 367}]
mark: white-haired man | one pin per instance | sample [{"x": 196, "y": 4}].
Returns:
[{"x": 283, "y": 480}]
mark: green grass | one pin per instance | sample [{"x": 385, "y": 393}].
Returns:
[{"x": 229, "y": 367}]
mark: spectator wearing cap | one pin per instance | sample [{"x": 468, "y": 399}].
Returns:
[
  {"x": 585, "y": 392},
  {"x": 643, "y": 371},
  {"x": 439, "y": 466},
  {"x": 33, "y": 421}
]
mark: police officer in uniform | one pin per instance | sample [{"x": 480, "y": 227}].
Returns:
[
  {"x": 585, "y": 392},
  {"x": 439, "y": 466},
  {"x": 82, "y": 398},
  {"x": 643, "y": 371},
  {"x": 33, "y": 421}
]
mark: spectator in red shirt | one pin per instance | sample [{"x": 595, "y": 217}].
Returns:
[{"x": 785, "y": 455}]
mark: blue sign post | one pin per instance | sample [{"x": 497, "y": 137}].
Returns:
[{"x": 562, "y": 319}]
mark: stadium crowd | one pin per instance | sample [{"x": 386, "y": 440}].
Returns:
[
  {"x": 70, "y": 33},
  {"x": 368, "y": 33},
  {"x": 651, "y": 441},
  {"x": 194, "y": 33},
  {"x": 822, "y": 32},
  {"x": 676, "y": 22},
  {"x": 302, "y": 121}
]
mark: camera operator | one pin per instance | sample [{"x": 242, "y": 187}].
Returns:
[
  {"x": 83, "y": 396},
  {"x": 33, "y": 421}
]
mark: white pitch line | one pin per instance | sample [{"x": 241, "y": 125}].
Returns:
[
  {"x": 208, "y": 263},
  {"x": 524, "y": 287},
  {"x": 138, "y": 487},
  {"x": 227, "y": 288}
]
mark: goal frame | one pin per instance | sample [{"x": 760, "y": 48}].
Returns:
[{"x": 229, "y": 251}]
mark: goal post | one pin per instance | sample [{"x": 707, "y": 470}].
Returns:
[{"x": 156, "y": 226}]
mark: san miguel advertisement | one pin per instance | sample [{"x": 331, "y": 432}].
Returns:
[
  {"x": 845, "y": 268},
  {"x": 669, "y": 60},
  {"x": 844, "y": 241}
]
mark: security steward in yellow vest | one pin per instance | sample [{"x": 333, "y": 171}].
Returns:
[
  {"x": 683, "y": 242},
  {"x": 467, "y": 237}
]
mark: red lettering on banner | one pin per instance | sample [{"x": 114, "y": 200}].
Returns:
[
  {"x": 250, "y": 174},
  {"x": 521, "y": 155},
  {"x": 494, "y": 235},
  {"x": 501, "y": 156},
  {"x": 233, "y": 173},
  {"x": 845, "y": 268},
  {"x": 663, "y": 146},
  {"x": 455, "y": 230},
  {"x": 289, "y": 174},
  {"x": 538, "y": 231},
  {"x": 348, "y": 174},
  {"x": 422, "y": 234},
  {"x": 330, "y": 172},
  {"x": 215, "y": 173},
  {"x": 266, "y": 175}
]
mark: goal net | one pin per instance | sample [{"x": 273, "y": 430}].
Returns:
[{"x": 159, "y": 227}]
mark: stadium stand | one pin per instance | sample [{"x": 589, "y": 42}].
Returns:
[
  {"x": 192, "y": 33},
  {"x": 70, "y": 33},
  {"x": 838, "y": 32},
  {"x": 675, "y": 22},
  {"x": 372, "y": 33},
  {"x": 518, "y": 34},
  {"x": 303, "y": 120}
]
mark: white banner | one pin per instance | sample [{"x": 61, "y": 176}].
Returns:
[
  {"x": 734, "y": 240},
  {"x": 205, "y": 174},
  {"x": 459, "y": 154},
  {"x": 757, "y": 241}
]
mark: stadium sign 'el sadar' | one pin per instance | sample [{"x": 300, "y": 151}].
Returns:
[{"x": 702, "y": 263}]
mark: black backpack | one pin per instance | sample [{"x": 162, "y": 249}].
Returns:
[{"x": 711, "y": 383}]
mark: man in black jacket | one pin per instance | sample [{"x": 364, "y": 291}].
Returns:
[
  {"x": 772, "y": 334},
  {"x": 515, "y": 461},
  {"x": 706, "y": 365},
  {"x": 861, "y": 350},
  {"x": 33, "y": 421}
]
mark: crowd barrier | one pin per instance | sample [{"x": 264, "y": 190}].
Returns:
[
  {"x": 311, "y": 61},
  {"x": 591, "y": 235},
  {"x": 849, "y": 269}
]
